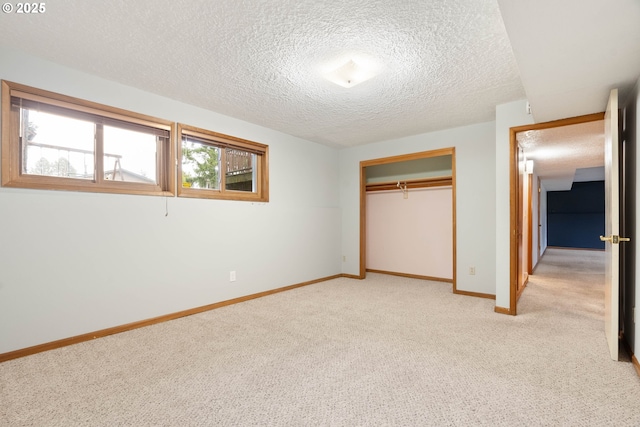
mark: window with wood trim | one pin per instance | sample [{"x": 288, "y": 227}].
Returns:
[
  {"x": 56, "y": 142},
  {"x": 216, "y": 166}
]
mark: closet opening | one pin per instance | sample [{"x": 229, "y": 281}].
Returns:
[{"x": 407, "y": 216}]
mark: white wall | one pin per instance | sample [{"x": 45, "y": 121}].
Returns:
[
  {"x": 72, "y": 263},
  {"x": 633, "y": 123},
  {"x": 507, "y": 116},
  {"x": 412, "y": 235},
  {"x": 475, "y": 192}
]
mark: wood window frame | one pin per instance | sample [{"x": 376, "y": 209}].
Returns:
[
  {"x": 223, "y": 141},
  {"x": 12, "y": 175}
]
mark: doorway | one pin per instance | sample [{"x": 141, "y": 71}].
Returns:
[{"x": 520, "y": 205}]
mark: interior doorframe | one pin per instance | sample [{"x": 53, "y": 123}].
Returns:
[
  {"x": 515, "y": 210},
  {"x": 539, "y": 220},
  {"x": 530, "y": 225},
  {"x": 395, "y": 159}
]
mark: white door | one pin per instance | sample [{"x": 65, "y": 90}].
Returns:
[{"x": 612, "y": 220}]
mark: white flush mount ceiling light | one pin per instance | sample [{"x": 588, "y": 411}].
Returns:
[{"x": 350, "y": 74}]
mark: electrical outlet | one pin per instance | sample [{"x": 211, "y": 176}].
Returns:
[
  {"x": 232, "y": 276},
  {"x": 472, "y": 271}
]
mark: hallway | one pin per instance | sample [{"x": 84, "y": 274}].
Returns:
[{"x": 569, "y": 281}]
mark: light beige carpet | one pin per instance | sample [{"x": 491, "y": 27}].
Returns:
[{"x": 384, "y": 351}]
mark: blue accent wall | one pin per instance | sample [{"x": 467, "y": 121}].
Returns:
[{"x": 575, "y": 218}]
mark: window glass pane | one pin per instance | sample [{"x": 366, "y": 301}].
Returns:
[
  {"x": 129, "y": 156},
  {"x": 200, "y": 165},
  {"x": 54, "y": 145},
  {"x": 240, "y": 170}
]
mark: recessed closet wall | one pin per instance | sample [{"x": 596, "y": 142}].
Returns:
[{"x": 409, "y": 217}]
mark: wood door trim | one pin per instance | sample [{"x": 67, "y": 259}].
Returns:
[
  {"x": 408, "y": 157},
  {"x": 502, "y": 310},
  {"x": 410, "y": 276},
  {"x": 636, "y": 364},
  {"x": 513, "y": 196},
  {"x": 363, "y": 221},
  {"x": 453, "y": 220}
]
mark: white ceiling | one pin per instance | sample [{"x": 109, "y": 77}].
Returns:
[
  {"x": 566, "y": 154},
  {"x": 571, "y": 53},
  {"x": 444, "y": 63}
]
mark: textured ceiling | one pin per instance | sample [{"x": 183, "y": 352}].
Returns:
[
  {"x": 558, "y": 153},
  {"x": 443, "y": 63}
]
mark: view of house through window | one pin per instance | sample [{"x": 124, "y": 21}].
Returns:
[
  {"x": 56, "y": 145},
  {"x": 220, "y": 166},
  {"x": 129, "y": 155},
  {"x": 240, "y": 174},
  {"x": 60, "y": 146},
  {"x": 55, "y": 142},
  {"x": 202, "y": 166}
]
